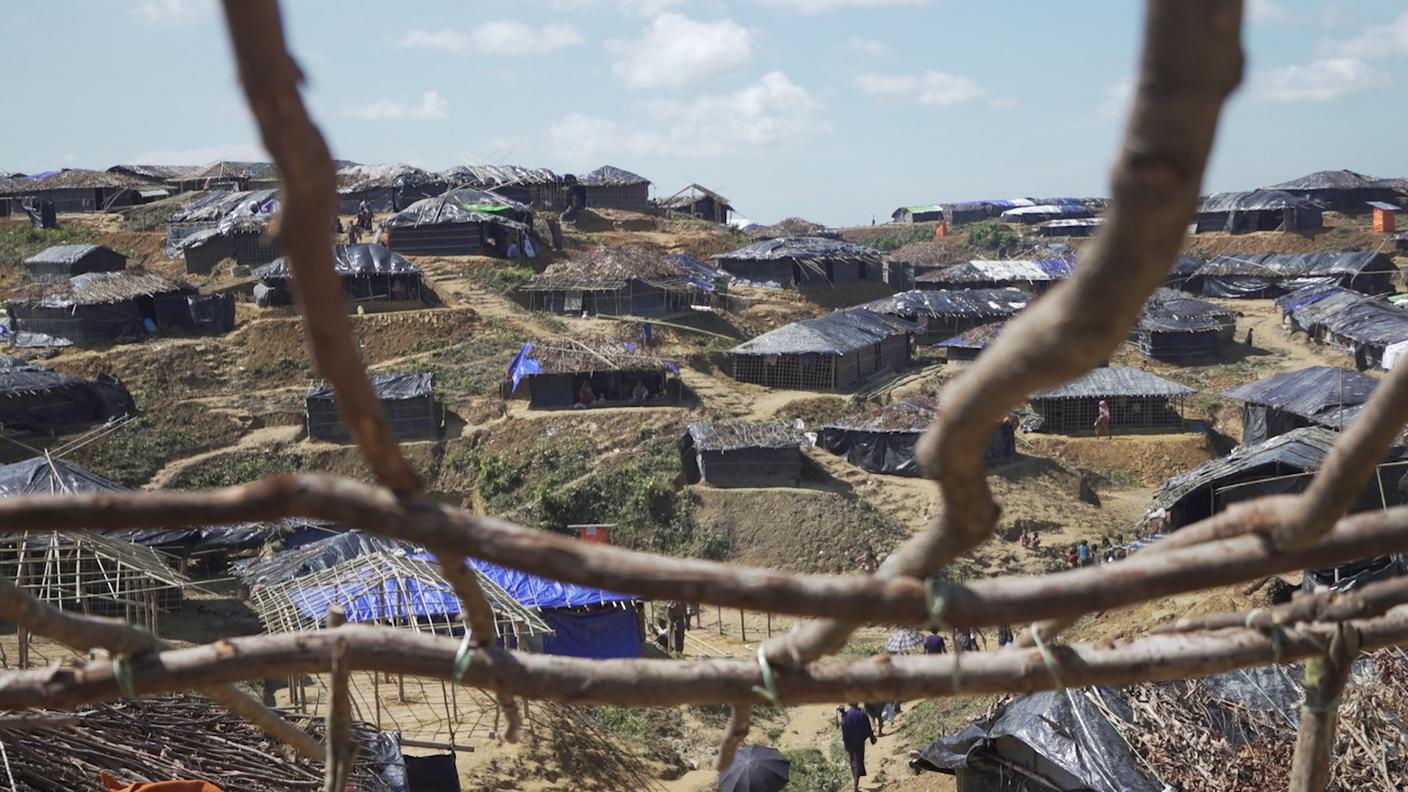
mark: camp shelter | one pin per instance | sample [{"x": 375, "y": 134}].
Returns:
[
  {"x": 367, "y": 271},
  {"x": 923, "y": 213},
  {"x": 220, "y": 225},
  {"x": 883, "y": 440},
  {"x": 948, "y": 312},
  {"x": 967, "y": 345},
  {"x": 610, "y": 187},
  {"x": 65, "y": 261},
  {"x": 833, "y": 352},
  {"x": 539, "y": 188},
  {"x": 964, "y": 212},
  {"x": 1070, "y": 227},
  {"x": 551, "y": 372},
  {"x": 801, "y": 261},
  {"x": 1318, "y": 396},
  {"x": 1257, "y": 210},
  {"x": 463, "y": 222},
  {"x": 1174, "y": 326},
  {"x": 103, "y": 307},
  {"x": 36, "y": 399},
  {"x": 79, "y": 190},
  {"x": 1031, "y": 215},
  {"x": 1343, "y": 190},
  {"x": 699, "y": 202},
  {"x": 1031, "y": 275},
  {"x": 154, "y": 173},
  {"x": 385, "y": 188},
  {"x": 407, "y": 401},
  {"x": 1364, "y": 327},
  {"x": 1262, "y": 275},
  {"x": 335, "y": 545},
  {"x": 631, "y": 280},
  {"x": 1279, "y": 465},
  {"x": 90, "y": 572},
  {"x": 582, "y": 621},
  {"x": 230, "y": 175},
  {"x": 743, "y": 454},
  {"x": 789, "y": 227},
  {"x": 1137, "y": 399}
]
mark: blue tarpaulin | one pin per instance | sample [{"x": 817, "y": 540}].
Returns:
[
  {"x": 603, "y": 634},
  {"x": 523, "y": 365},
  {"x": 541, "y": 592},
  {"x": 402, "y": 598}
]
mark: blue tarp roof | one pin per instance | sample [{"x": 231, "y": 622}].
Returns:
[
  {"x": 404, "y": 597},
  {"x": 541, "y": 592}
]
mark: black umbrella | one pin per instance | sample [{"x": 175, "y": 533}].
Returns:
[{"x": 756, "y": 768}]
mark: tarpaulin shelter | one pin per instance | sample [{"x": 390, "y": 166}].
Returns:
[
  {"x": 407, "y": 400},
  {"x": 65, "y": 261},
  {"x": 631, "y": 280},
  {"x": 229, "y": 175},
  {"x": 1343, "y": 190},
  {"x": 337, "y": 546},
  {"x": 103, "y": 307},
  {"x": 1314, "y": 396},
  {"x": 385, "y": 188},
  {"x": 1137, "y": 400},
  {"x": 790, "y": 227},
  {"x": 965, "y": 212},
  {"x": 831, "y": 352},
  {"x": 610, "y": 187},
  {"x": 969, "y": 344},
  {"x": 80, "y": 190},
  {"x": 1258, "y": 210},
  {"x": 883, "y": 440},
  {"x": 1174, "y": 326},
  {"x": 220, "y": 225},
  {"x": 367, "y": 271},
  {"x": 551, "y": 372},
  {"x": 36, "y": 399},
  {"x": 801, "y": 261},
  {"x": 1262, "y": 275},
  {"x": 922, "y": 213},
  {"x": 1363, "y": 326},
  {"x": 1031, "y": 275},
  {"x": 1029, "y": 215},
  {"x": 540, "y": 188},
  {"x": 584, "y": 621},
  {"x": 699, "y": 202},
  {"x": 1070, "y": 227},
  {"x": 948, "y": 312},
  {"x": 740, "y": 454},
  {"x": 463, "y": 222}
]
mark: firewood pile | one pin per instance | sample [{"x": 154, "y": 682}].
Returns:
[{"x": 161, "y": 738}]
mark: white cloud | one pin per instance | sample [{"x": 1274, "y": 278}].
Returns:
[
  {"x": 1317, "y": 81},
  {"x": 200, "y": 155},
  {"x": 1262, "y": 12},
  {"x": 171, "y": 12},
  {"x": 1117, "y": 99},
  {"x": 859, "y": 47},
  {"x": 1387, "y": 38},
  {"x": 501, "y": 37},
  {"x": 675, "y": 51},
  {"x": 773, "y": 112},
  {"x": 821, "y": 6},
  {"x": 646, "y": 7},
  {"x": 432, "y": 106},
  {"x": 934, "y": 88}
]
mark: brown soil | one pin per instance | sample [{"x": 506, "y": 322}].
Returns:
[{"x": 1148, "y": 459}]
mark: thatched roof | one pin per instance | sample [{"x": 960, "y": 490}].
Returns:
[
  {"x": 734, "y": 435},
  {"x": 155, "y": 172},
  {"x": 98, "y": 288},
  {"x": 611, "y": 268},
  {"x": 354, "y": 178},
  {"x": 792, "y": 226},
  {"x": 611, "y": 176},
  {"x": 902, "y": 416},
  {"x": 974, "y": 337},
  {"x": 593, "y": 353},
  {"x": 83, "y": 179},
  {"x": 1104, "y": 382},
  {"x": 490, "y": 176}
]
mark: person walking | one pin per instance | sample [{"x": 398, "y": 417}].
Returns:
[
  {"x": 1102, "y": 419},
  {"x": 855, "y": 730},
  {"x": 934, "y": 643}
]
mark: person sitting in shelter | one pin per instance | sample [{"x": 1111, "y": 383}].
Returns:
[
  {"x": 640, "y": 393},
  {"x": 1102, "y": 419},
  {"x": 855, "y": 730},
  {"x": 585, "y": 394}
]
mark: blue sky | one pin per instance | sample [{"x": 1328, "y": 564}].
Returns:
[{"x": 835, "y": 110}]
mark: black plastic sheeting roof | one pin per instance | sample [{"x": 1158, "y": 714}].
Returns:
[
  {"x": 1103, "y": 382},
  {"x": 347, "y": 260},
  {"x": 20, "y": 376},
  {"x": 1346, "y": 313},
  {"x": 611, "y": 176},
  {"x": 65, "y": 254},
  {"x": 387, "y": 387},
  {"x": 1300, "y": 449},
  {"x": 733, "y": 436},
  {"x": 1312, "y": 393},
  {"x": 1334, "y": 180},
  {"x": 834, "y": 334},
  {"x": 1254, "y": 200},
  {"x": 801, "y": 247},
  {"x": 983, "y": 303},
  {"x": 314, "y": 557},
  {"x": 1297, "y": 265},
  {"x": 217, "y": 205},
  {"x": 454, "y": 206},
  {"x": 1168, "y": 310}
]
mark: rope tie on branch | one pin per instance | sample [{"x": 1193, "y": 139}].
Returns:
[
  {"x": 464, "y": 656},
  {"x": 936, "y": 602},
  {"x": 768, "y": 690},
  {"x": 1047, "y": 658},
  {"x": 122, "y": 674}
]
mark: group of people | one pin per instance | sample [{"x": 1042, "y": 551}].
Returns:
[
  {"x": 1083, "y": 554},
  {"x": 637, "y": 393},
  {"x": 670, "y": 629}
]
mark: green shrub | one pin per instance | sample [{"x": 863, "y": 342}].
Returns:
[
  {"x": 991, "y": 235},
  {"x": 901, "y": 236},
  {"x": 506, "y": 279},
  {"x": 18, "y": 243},
  {"x": 813, "y": 772}
]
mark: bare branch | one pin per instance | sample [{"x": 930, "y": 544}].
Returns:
[
  {"x": 739, "y": 719},
  {"x": 479, "y": 620},
  {"x": 341, "y": 749},
  {"x": 1325, "y": 677},
  {"x": 271, "y": 80},
  {"x": 1325, "y": 606}
]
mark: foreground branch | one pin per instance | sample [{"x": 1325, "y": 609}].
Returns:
[
  {"x": 1323, "y": 606},
  {"x": 1325, "y": 677}
]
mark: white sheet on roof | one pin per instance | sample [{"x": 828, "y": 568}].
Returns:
[{"x": 1393, "y": 353}]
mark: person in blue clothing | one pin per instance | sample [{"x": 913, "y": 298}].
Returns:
[
  {"x": 855, "y": 730},
  {"x": 1083, "y": 553}
]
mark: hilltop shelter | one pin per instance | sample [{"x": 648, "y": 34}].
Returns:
[
  {"x": 883, "y": 440},
  {"x": 154, "y": 173},
  {"x": 1258, "y": 210},
  {"x": 699, "y": 202},
  {"x": 65, "y": 261},
  {"x": 102, "y": 307},
  {"x": 1263, "y": 275},
  {"x": 610, "y": 187},
  {"x": 793, "y": 261},
  {"x": 790, "y": 227},
  {"x": 1031, "y": 215},
  {"x": 368, "y": 272},
  {"x": 463, "y": 222},
  {"x": 1315, "y": 396},
  {"x": 1073, "y": 227},
  {"x": 964, "y": 212},
  {"x": 79, "y": 190},
  {"x": 923, "y": 213},
  {"x": 550, "y": 373},
  {"x": 36, "y": 399},
  {"x": 539, "y": 188},
  {"x": 738, "y": 454},
  {"x": 1138, "y": 401},
  {"x": 1174, "y": 326},
  {"x": 581, "y": 621},
  {"x": 408, "y": 400},
  {"x": 631, "y": 280},
  {"x": 1364, "y": 327},
  {"x": 385, "y": 188},
  {"x": 969, "y": 344},
  {"x": 223, "y": 225},
  {"x": 1344, "y": 190},
  {"x": 949, "y": 312},
  {"x": 227, "y": 175},
  {"x": 1030, "y": 275},
  {"x": 833, "y": 352}
]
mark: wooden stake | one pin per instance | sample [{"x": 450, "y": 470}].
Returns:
[{"x": 1325, "y": 677}]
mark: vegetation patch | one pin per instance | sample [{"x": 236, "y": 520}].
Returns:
[
  {"x": 888, "y": 241},
  {"x": 229, "y": 470},
  {"x": 146, "y": 444},
  {"x": 991, "y": 235},
  {"x": 19, "y": 242}
]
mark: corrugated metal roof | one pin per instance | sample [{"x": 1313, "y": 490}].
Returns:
[
  {"x": 952, "y": 302},
  {"x": 97, "y": 288},
  {"x": 1103, "y": 382},
  {"x": 833, "y": 334}
]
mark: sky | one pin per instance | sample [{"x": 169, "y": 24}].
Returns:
[{"x": 834, "y": 110}]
